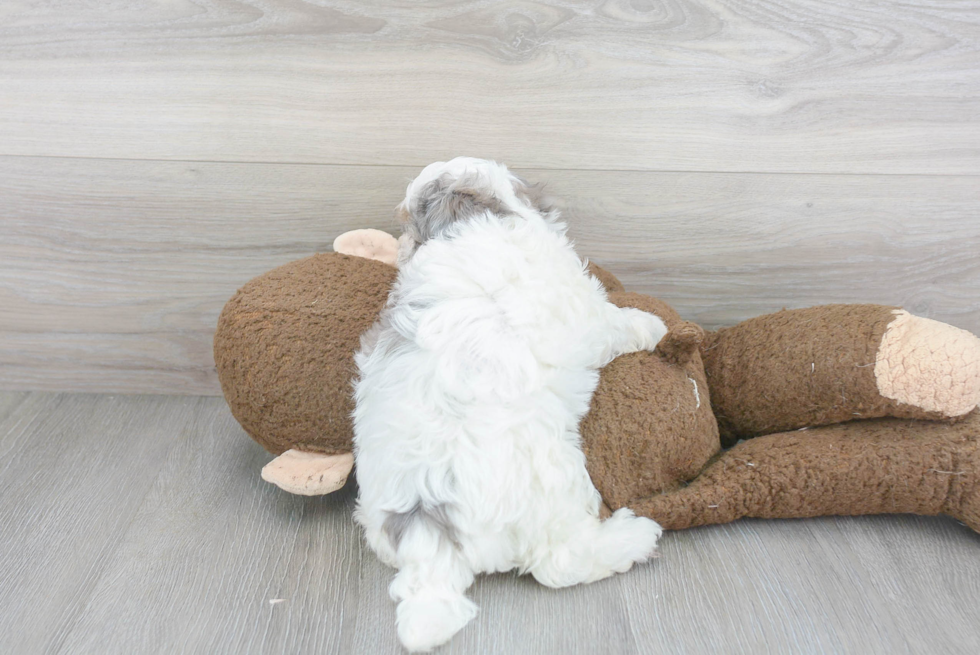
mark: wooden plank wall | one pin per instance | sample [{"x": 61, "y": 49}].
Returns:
[{"x": 731, "y": 157}]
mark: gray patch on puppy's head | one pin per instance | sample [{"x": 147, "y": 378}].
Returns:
[{"x": 443, "y": 203}]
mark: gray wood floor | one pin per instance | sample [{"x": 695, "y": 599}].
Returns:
[{"x": 139, "y": 524}]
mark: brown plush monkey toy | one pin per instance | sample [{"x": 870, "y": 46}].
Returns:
[{"x": 839, "y": 409}]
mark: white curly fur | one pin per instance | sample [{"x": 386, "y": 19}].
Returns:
[{"x": 471, "y": 387}]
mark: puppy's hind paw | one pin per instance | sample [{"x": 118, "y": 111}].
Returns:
[
  {"x": 426, "y": 621},
  {"x": 628, "y": 539}
]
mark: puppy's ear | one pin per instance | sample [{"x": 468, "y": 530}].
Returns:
[
  {"x": 445, "y": 201},
  {"x": 534, "y": 196}
]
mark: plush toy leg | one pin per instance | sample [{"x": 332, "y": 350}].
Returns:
[
  {"x": 825, "y": 365},
  {"x": 881, "y": 466},
  {"x": 371, "y": 244},
  {"x": 308, "y": 474}
]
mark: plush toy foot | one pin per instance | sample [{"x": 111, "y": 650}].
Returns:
[
  {"x": 371, "y": 244},
  {"x": 929, "y": 365},
  {"x": 308, "y": 474}
]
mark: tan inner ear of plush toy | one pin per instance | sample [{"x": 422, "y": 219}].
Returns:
[
  {"x": 308, "y": 474},
  {"x": 929, "y": 364},
  {"x": 371, "y": 244}
]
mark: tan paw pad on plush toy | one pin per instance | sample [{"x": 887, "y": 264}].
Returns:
[{"x": 929, "y": 364}]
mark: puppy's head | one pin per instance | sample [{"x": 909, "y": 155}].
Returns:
[{"x": 446, "y": 193}]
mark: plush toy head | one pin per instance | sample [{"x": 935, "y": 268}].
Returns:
[{"x": 285, "y": 348}]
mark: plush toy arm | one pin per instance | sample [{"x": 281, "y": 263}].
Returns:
[
  {"x": 834, "y": 363},
  {"x": 883, "y": 466}
]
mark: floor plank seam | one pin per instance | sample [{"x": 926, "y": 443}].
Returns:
[{"x": 542, "y": 169}]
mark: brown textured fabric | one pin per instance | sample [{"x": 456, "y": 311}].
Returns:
[
  {"x": 285, "y": 345},
  {"x": 284, "y": 352},
  {"x": 880, "y": 466},
  {"x": 647, "y": 430},
  {"x": 796, "y": 368}
]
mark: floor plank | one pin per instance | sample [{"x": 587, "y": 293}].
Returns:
[
  {"x": 74, "y": 471},
  {"x": 184, "y": 547},
  {"x": 707, "y": 85},
  {"x": 212, "y": 545},
  {"x": 112, "y": 274},
  {"x": 827, "y": 585},
  {"x": 9, "y": 402}
]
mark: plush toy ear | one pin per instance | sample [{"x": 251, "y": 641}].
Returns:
[
  {"x": 309, "y": 474},
  {"x": 371, "y": 244}
]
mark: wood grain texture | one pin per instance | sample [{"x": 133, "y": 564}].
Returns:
[
  {"x": 703, "y": 85},
  {"x": 112, "y": 273},
  {"x": 74, "y": 471},
  {"x": 723, "y": 248},
  {"x": 181, "y": 546},
  {"x": 126, "y": 265}
]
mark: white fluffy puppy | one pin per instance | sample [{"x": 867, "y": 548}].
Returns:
[{"x": 470, "y": 391}]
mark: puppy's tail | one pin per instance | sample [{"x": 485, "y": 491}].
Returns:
[{"x": 432, "y": 578}]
